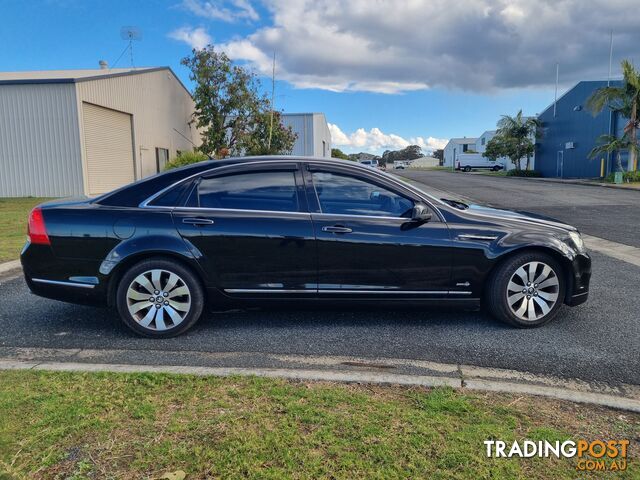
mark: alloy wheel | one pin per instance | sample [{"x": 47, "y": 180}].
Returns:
[
  {"x": 158, "y": 299},
  {"x": 533, "y": 291}
]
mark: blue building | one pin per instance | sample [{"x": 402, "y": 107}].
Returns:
[{"x": 569, "y": 134}]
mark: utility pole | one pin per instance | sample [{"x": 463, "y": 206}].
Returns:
[
  {"x": 555, "y": 97},
  {"x": 273, "y": 91}
]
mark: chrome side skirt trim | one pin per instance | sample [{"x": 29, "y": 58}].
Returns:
[
  {"x": 61, "y": 283},
  {"x": 267, "y": 290},
  {"x": 350, "y": 291}
]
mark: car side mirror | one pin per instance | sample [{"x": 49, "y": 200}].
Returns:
[{"x": 420, "y": 213}]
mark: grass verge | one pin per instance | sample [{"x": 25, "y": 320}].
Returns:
[
  {"x": 107, "y": 425},
  {"x": 13, "y": 228}
]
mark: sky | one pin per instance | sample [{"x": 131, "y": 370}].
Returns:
[{"x": 385, "y": 73}]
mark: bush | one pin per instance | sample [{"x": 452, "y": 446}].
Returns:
[
  {"x": 523, "y": 173},
  {"x": 185, "y": 158},
  {"x": 626, "y": 177}
]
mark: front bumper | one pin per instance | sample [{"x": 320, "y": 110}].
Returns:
[{"x": 578, "y": 286}]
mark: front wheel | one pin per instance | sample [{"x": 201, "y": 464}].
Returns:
[
  {"x": 526, "y": 290},
  {"x": 159, "y": 298},
  {"x": 467, "y": 168}
]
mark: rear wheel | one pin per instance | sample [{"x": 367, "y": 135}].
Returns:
[
  {"x": 467, "y": 168},
  {"x": 159, "y": 298},
  {"x": 495, "y": 169},
  {"x": 527, "y": 290}
]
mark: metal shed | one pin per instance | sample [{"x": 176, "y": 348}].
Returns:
[
  {"x": 73, "y": 132},
  {"x": 313, "y": 135}
]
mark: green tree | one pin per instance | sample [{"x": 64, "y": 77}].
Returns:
[
  {"x": 610, "y": 144},
  {"x": 514, "y": 136},
  {"x": 185, "y": 158},
  {"x": 337, "y": 153},
  {"x": 230, "y": 111},
  {"x": 624, "y": 100},
  {"x": 259, "y": 143}
]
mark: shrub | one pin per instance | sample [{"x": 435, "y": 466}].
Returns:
[
  {"x": 523, "y": 173},
  {"x": 626, "y": 177},
  {"x": 185, "y": 158}
]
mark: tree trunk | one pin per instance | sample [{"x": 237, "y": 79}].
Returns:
[
  {"x": 528, "y": 162},
  {"x": 632, "y": 134}
]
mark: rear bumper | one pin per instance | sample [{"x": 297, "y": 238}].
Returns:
[
  {"x": 49, "y": 277},
  {"x": 578, "y": 290}
]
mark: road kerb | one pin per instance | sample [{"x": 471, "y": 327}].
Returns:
[
  {"x": 472, "y": 383},
  {"x": 8, "y": 267}
]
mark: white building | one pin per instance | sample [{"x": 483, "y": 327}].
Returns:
[
  {"x": 314, "y": 137},
  {"x": 423, "y": 162},
  {"x": 73, "y": 132},
  {"x": 455, "y": 147}
]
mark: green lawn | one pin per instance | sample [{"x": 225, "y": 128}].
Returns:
[
  {"x": 14, "y": 213},
  {"x": 79, "y": 425}
]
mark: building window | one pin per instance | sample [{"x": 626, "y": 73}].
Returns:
[
  {"x": 482, "y": 142},
  {"x": 324, "y": 148},
  {"x": 162, "y": 157},
  {"x": 465, "y": 147}
]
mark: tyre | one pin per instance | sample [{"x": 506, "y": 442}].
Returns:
[
  {"x": 495, "y": 169},
  {"x": 467, "y": 168},
  {"x": 159, "y": 298},
  {"x": 526, "y": 290}
]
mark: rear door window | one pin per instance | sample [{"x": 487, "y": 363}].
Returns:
[{"x": 265, "y": 190}]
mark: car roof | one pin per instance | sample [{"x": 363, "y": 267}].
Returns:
[{"x": 133, "y": 194}]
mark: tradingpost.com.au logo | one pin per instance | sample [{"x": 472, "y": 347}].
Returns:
[{"x": 597, "y": 455}]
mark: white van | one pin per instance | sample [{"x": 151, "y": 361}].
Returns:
[
  {"x": 370, "y": 163},
  {"x": 475, "y": 161}
]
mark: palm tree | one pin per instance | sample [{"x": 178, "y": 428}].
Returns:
[
  {"x": 610, "y": 144},
  {"x": 624, "y": 100},
  {"x": 520, "y": 129}
]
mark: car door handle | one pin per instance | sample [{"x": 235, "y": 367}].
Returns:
[
  {"x": 197, "y": 221},
  {"x": 337, "y": 229}
]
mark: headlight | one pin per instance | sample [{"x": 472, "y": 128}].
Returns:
[{"x": 576, "y": 238}]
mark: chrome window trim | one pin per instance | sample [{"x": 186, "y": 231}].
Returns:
[
  {"x": 145, "y": 203},
  {"x": 368, "y": 171},
  {"x": 384, "y": 179},
  {"x": 347, "y": 215},
  {"x": 61, "y": 283},
  {"x": 236, "y": 210}
]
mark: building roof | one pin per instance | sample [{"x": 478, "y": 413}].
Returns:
[
  {"x": 74, "y": 76},
  {"x": 464, "y": 140},
  {"x": 594, "y": 83}
]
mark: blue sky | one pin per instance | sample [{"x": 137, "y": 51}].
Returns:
[{"x": 421, "y": 74}]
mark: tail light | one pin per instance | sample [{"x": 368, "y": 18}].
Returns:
[{"x": 37, "y": 231}]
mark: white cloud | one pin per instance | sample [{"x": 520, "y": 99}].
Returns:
[
  {"x": 376, "y": 141},
  {"x": 227, "y": 11},
  {"x": 197, "y": 38},
  {"x": 391, "y": 46}
]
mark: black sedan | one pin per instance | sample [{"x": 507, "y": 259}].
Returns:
[{"x": 274, "y": 229}]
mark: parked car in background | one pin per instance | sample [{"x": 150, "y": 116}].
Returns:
[
  {"x": 370, "y": 163},
  {"x": 474, "y": 161},
  {"x": 259, "y": 230},
  {"x": 399, "y": 165}
]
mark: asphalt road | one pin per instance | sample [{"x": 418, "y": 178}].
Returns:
[
  {"x": 598, "y": 341},
  {"x": 613, "y": 214}
]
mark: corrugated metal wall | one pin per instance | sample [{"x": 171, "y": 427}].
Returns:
[
  {"x": 39, "y": 141},
  {"x": 573, "y": 122},
  {"x": 302, "y": 125},
  {"x": 160, "y": 107},
  {"x": 312, "y": 130}
]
